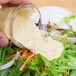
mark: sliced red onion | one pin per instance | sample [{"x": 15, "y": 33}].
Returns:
[
  {"x": 72, "y": 39},
  {"x": 9, "y": 64}
]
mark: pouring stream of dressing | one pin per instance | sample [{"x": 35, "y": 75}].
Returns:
[{"x": 28, "y": 34}]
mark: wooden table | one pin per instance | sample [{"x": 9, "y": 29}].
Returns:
[{"x": 68, "y": 4}]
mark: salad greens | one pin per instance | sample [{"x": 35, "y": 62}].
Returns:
[
  {"x": 40, "y": 66},
  {"x": 69, "y": 31},
  {"x": 65, "y": 65},
  {"x": 69, "y": 18},
  {"x": 57, "y": 31}
]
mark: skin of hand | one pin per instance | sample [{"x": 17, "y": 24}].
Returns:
[{"x": 3, "y": 40}]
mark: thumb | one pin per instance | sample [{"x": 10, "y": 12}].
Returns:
[{"x": 3, "y": 40}]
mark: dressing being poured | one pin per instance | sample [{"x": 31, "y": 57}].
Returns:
[{"x": 28, "y": 34}]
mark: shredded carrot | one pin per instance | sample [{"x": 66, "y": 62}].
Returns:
[
  {"x": 66, "y": 72},
  {"x": 26, "y": 58},
  {"x": 24, "y": 53},
  {"x": 31, "y": 59},
  {"x": 64, "y": 75},
  {"x": 48, "y": 69},
  {"x": 41, "y": 69},
  {"x": 13, "y": 55},
  {"x": 26, "y": 61},
  {"x": 10, "y": 57}
]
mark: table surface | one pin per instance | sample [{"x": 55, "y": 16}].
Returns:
[{"x": 68, "y": 4}]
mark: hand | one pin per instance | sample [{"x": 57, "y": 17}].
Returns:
[
  {"x": 14, "y": 1},
  {"x": 3, "y": 40}
]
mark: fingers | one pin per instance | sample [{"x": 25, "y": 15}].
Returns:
[
  {"x": 14, "y": 1},
  {"x": 3, "y": 40},
  {"x": 19, "y": 1},
  {"x": 4, "y": 1},
  {"x": 7, "y": 3}
]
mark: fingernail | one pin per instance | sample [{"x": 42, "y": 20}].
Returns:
[{"x": 3, "y": 41}]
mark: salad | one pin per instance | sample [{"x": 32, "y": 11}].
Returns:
[{"x": 31, "y": 64}]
